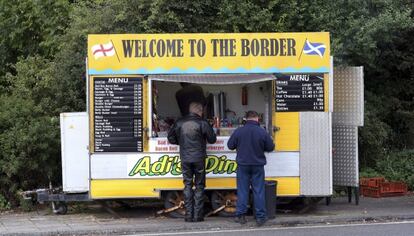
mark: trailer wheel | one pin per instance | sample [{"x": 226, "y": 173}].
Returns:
[
  {"x": 60, "y": 208},
  {"x": 227, "y": 199},
  {"x": 174, "y": 199}
]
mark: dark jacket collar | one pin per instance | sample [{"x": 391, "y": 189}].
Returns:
[
  {"x": 252, "y": 122},
  {"x": 193, "y": 115}
]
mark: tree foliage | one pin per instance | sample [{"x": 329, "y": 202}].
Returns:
[
  {"x": 43, "y": 48},
  {"x": 30, "y": 28}
]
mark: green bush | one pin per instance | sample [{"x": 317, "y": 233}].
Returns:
[
  {"x": 369, "y": 173},
  {"x": 4, "y": 204},
  {"x": 26, "y": 204},
  {"x": 398, "y": 166}
]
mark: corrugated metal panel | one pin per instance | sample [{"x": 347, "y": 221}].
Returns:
[
  {"x": 345, "y": 156},
  {"x": 348, "y": 96},
  {"x": 331, "y": 87},
  {"x": 214, "y": 78},
  {"x": 347, "y": 116},
  {"x": 315, "y": 154}
]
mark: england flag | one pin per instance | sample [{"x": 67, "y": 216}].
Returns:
[
  {"x": 103, "y": 50},
  {"x": 314, "y": 48}
]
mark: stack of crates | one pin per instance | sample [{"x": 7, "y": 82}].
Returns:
[{"x": 378, "y": 187}]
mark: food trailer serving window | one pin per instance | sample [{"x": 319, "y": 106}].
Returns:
[{"x": 226, "y": 101}]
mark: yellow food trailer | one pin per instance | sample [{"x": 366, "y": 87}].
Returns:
[{"x": 118, "y": 148}]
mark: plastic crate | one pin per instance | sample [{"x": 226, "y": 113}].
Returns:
[
  {"x": 386, "y": 189},
  {"x": 370, "y": 192},
  {"x": 363, "y": 182},
  {"x": 375, "y": 182},
  {"x": 393, "y": 187},
  {"x": 372, "y": 182}
]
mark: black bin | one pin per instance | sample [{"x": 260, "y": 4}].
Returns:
[{"x": 270, "y": 196}]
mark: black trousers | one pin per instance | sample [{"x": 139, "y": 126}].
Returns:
[{"x": 194, "y": 173}]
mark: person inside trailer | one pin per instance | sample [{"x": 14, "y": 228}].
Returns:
[{"x": 187, "y": 94}]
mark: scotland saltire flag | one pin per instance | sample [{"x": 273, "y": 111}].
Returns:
[{"x": 314, "y": 48}]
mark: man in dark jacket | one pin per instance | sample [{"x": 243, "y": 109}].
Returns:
[
  {"x": 251, "y": 141},
  {"x": 191, "y": 133}
]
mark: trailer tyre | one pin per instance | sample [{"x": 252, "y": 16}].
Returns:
[
  {"x": 60, "y": 208},
  {"x": 224, "y": 198},
  {"x": 173, "y": 199}
]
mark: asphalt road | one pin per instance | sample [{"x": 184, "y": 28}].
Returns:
[{"x": 405, "y": 228}]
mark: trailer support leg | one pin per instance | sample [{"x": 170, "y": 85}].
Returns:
[
  {"x": 328, "y": 200},
  {"x": 349, "y": 191},
  {"x": 353, "y": 191},
  {"x": 356, "y": 193},
  {"x": 107, "y": 208},
  {"x": 181, "y": 205}
]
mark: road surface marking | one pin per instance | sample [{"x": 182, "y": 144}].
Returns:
[{"x": 270, "y": 228}]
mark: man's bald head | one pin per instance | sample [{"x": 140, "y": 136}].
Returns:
[{"x": 196, "y": 108}]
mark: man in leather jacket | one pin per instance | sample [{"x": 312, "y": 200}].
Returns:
[{"x": 192, "y": 133}]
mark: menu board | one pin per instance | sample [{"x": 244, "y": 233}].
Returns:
[
  {"x": 117, "y": 114},
  {"x": 299, "y": 92}
]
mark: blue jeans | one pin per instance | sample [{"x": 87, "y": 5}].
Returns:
[{"x": 251, "y": 176}]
